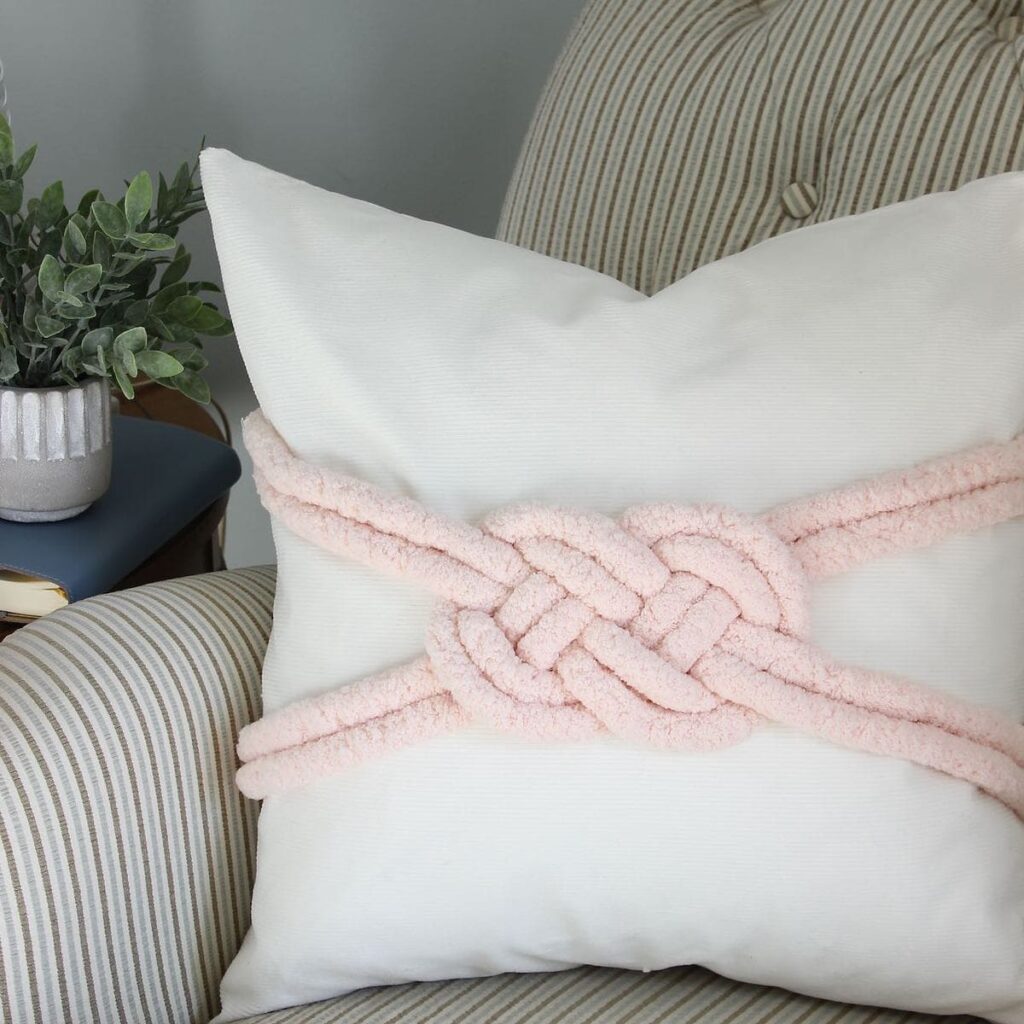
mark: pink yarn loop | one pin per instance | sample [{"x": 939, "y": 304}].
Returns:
[{"x": 680, "y": 627}]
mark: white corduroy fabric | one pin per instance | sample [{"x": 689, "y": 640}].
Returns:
[{"x": 472, "y": 374}]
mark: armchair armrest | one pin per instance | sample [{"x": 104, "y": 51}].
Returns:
[{"x": 126, "y": 853}]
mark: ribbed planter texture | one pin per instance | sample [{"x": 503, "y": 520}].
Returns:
[{"x": 54, "y": 450}]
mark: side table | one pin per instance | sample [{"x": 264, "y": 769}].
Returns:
[{"x": 197, "y": 548}]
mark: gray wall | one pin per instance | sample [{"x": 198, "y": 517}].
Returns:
[{"x": 418, "y": 106}]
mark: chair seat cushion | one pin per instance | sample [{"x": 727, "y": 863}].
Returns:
[{"x": 588, "y": 995}]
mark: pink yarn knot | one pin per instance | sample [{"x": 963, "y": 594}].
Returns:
[
  {"x": 607, "y": 627},
  {"x": 682, "y": 627}
]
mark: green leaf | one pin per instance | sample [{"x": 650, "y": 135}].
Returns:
[
  {"x": 132, "y": 340},
  {"x": 66, "y": 298},
  {"x": 182, "y": 335},
  {"x": 49, "y": 244},
  {"x": 155, "y": 364},
  {"x": 191, "y": 385},
  {"x": 28, "y": 317},
  {"x": 6, "y": 142},
  {"x": 154, "y": 325},
  {"x": 141, "y": 278},
  {"x": 83, "y": 311},
  {"x": 51, "y": 205},
  {"x": 123, "y": 382},
  {"x": 207, "y": 320},
  {"x": 161, "y": 196},
  {"x": 85, "y": 278},
  {"x": 111, "y": 219},
  {"x": 48, "y": 327},
  {"x": 136, "y": 312},
  {"x": 167, "y": 295},
  {"x": 24, "y": 233},
  {"x": 71, "y": 358},
  {"x": 74, "y": 241},
  {"x": 11, "y": 193},
  {"x": 51, "y": 278},
  {"x": 9, "y": 364},
  {"x": 182, "y": 183},
  {"x": 138, "y": 199},
  {"x": 101, "y": 251},
  {"x": 150, "y": 240},
  {"x": 24, "y": 162},
  {"x": 226, "y": 328},
  {"x": 192, "y": 358},
  {"x": 85, "y": 203},
  {"x": 108, "y": 290},
  {"x": 125, "y": 264},
  {"x": 177, "y": 268},
  {"x": 185, "y": 308},
  {"x": 102, "y": 337}
]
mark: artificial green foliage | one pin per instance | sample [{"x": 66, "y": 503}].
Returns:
[{"x": 100, "y": 291}]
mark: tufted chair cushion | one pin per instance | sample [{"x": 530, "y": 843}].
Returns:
[{"x": 674, "y": 132}]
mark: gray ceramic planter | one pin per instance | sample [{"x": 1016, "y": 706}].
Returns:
[{"x": 54, "y": 450}]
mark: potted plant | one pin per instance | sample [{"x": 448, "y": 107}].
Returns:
[{"x": 90, "y": 299}]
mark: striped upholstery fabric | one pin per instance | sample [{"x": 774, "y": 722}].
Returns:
[
  {"x": 590, "y": 995},
  {"x": 126, "y": 853},
  {"x": 674, "y": 132}
]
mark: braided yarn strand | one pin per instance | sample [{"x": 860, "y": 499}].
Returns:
[{"x": 679, "y": 627}]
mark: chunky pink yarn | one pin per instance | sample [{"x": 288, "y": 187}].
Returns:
[{"x": 676, "y": 626}]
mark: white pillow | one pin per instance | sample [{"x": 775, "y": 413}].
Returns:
[{"x": 470, "y": 374}]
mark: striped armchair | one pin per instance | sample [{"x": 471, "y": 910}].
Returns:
[{"x": 671, "y": 133}]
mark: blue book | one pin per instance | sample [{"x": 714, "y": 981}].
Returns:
[{"x": 162, "y": 477}]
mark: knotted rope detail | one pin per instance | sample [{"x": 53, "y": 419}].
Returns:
[{"x": 681, "y": 627}]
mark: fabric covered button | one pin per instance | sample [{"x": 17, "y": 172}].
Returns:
[
  {"x": 800, "y": 199},
  {"x": 1010, "y": 28}
]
